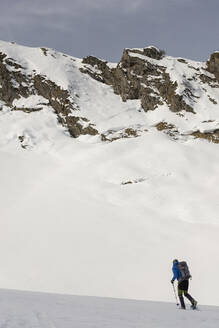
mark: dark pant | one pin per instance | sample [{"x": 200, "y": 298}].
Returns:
[{"x": 183, "y": 287}]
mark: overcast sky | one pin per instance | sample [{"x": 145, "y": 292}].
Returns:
[{"x": 187, "y": 28}]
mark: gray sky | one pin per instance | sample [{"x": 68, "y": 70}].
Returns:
[{"x": 187, "y": 28}]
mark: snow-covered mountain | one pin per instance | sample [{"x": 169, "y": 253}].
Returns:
[
  {"x": 108, "y": 172},
  {"x": 174, "y": 95}
]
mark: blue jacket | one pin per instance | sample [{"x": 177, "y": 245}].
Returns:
[{"x": 176, "y": 272}]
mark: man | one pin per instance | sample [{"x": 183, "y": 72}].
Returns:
[{"x": 183, "y": 286}]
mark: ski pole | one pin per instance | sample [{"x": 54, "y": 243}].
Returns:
[{"x": 175, "y": 294}]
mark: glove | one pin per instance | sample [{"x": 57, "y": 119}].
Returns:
[{"x": 172, "y": 281}]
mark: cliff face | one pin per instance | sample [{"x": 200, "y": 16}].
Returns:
[
  {"x": 16, "y": 83},
  {"x": 213, "y": 64},
  {"x": 157, "y": 80},
  {"x": 143, "y": 74},
  {"x": 145, "y": 80}
]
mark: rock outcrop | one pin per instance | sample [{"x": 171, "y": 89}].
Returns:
[
  {"x": 213, "y": 64},
  {"x": 135, "y": 77},
  {"x": 15, "y": 84}
]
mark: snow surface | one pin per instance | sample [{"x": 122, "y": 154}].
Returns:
[
  {"x": 38, "y": 310},
  {"x": 64, "y": 210},
  {"x": 69, "y": 221}
]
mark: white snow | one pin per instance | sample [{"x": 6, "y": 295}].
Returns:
[
  {"x": 64, "y": 210},
  {"x": 33, "y": 101},
  {"x": 68, "y": 222},
  {"x": 38, "y": 310}
]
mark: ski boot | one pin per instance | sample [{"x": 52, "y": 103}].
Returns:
[{"x": 194, "y": 305}]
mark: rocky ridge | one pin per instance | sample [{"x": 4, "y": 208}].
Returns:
[
  {"x": 137, "y": 78},
  {"x": 187, "y": 89},
  {"x": 16, "y": 83},
  {"x": 143, "y": 74}
]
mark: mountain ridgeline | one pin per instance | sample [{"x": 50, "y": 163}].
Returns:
[{"x": 177, "y": 96}]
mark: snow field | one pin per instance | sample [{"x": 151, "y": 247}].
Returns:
[
  {"x": 67, "y": 212},
  {"x": 23, "y": 309}
]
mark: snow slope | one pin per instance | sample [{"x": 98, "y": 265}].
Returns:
[
  {"x": 80, "y": 216},
  {"x": 23, "y": 309},
  {"x": 66, "y": 210}
]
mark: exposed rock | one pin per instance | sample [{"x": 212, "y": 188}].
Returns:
[
  {"x": 113, "y": 135},
  {"x": 210, "y": 136},
  {"x": 154, "y": 53},
  {"x": 97, "y": 69},
  {"x": 13, "y": 82},
  {"x": 131, "y": 132},
  {"x": 212, "y": 100},
  {"x": 208, "y": 121},
  {"x": 150, "y": 100},
  {"x": 126, "y": 182},
  {"x": 155, "y": 84},
  {"x": 181, "y": 60},
  {"x": 27, "y": 110},
  {"x": 2, "y": 56},
  {"x": 168, "y": 128},
  {"x": 138, "y": 78},
  {"x": 14, "y": 85},
  {"x": 133, "y": 181},
  {"x": 167, "y": 90},
  {"x": 58, "y": 98},
  {"x": 209, "y": 80},
  {"x": 164, "y": 126},
  {"x": 77, "y": 125},
  {"x": 22, "y": 142},
  {"x": 213, "y": 64},
  {"x": 192, "y": 67},
  {"x": 151, "y": 52},
  {"x": 44, "y": 50}
]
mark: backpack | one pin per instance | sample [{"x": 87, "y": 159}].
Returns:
[{"x": 184, "y": 270}]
